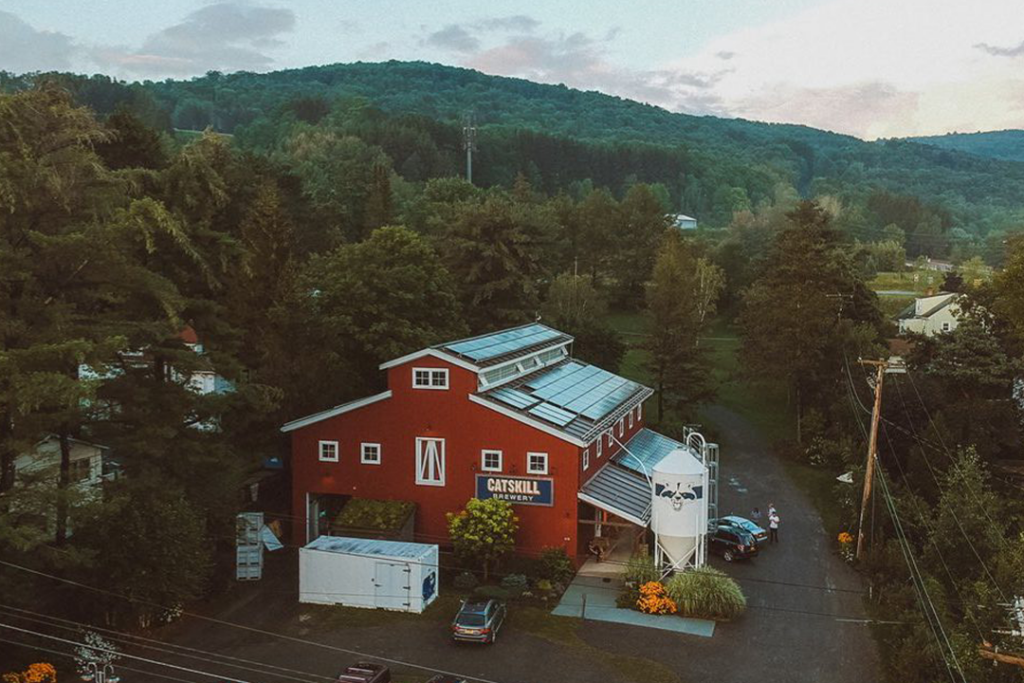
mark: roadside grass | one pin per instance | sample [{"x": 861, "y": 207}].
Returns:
[
  {"x": 818, "y": 485},
  {"x": 565, "y": 631}
]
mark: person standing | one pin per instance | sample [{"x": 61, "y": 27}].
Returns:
[{"x": 773, "y": 527}]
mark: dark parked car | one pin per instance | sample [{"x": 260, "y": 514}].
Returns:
[
  {"x": 478, "y": 621},
  {"x": 744, "y": 524},
  {"x": 365, "y": 672},
  {"x": 733, "y": 544}
]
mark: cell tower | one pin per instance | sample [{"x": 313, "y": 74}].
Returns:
[{"x": 469, "y": 143}]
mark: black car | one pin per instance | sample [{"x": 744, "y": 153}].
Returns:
[
  {"x": 744, "y": 524},
  {"x": 365, "y": 672},
  {"x": 478, "y": 621},
  {"x": 733, "y": 543}
]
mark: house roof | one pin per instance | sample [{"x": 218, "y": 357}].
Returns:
[
  {"x": 909, "y": 311},
  {"x": 336, "y": 410},
  {"x": 573, "y": 397},
  {"x": 504, "y": 345}
]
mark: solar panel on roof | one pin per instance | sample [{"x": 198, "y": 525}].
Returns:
[
  {"x": 553, "y": 414},
  {"x": 503, "y": 342},
  {"x": 514, "y": 398},
  {"x": 542, "y": 379}
]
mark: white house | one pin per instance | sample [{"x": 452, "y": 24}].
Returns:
[
  {"x": 931, "y": 315},
  {"x": 684, "y": 222},
  {"x": 44, "y": 462}
]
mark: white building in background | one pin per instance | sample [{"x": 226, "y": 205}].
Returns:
[
  {"x": 931, "y": 315},
  {"x": 684, "y": 222}
]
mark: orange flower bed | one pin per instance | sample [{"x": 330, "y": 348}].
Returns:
[{"x": 654, "y": 600}]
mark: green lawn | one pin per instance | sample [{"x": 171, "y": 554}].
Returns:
[{"x": 909, "y": 281}]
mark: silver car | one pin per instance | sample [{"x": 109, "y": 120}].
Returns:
[{"x": 478, "y": 621}]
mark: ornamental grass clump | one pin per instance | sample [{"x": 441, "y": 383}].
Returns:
[
  {"x": 706, "y": 593},
  {"x": 654, "y": 600},
  {"x": 640, "y": 569}
]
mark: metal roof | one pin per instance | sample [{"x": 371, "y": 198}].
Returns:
[
  {"x": 497, "y": 347},
  {"x": 621, "y": 492},
  {"x": 370, "y": 547},
  {"x": 575, "y": 397},
  {"x": 649, "y": 447}
]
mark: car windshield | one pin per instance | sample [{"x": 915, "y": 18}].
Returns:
[{"x": 471, "y": 620}]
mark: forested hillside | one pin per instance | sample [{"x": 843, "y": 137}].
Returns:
[
  {"x": 997, "y": 144},
  {"x": 947, "y": 203}
]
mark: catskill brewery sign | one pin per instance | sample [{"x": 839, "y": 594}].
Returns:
[{"x": 516, "y": 490}]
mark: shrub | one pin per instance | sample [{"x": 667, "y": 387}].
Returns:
[
  {"x": 514, "y": 583},
  {"x": 379, "y": 515},
  {"x": 654, "y": 600},
  {"x": 483, "y": 532},
  {"x": 555, "y": 565},
  {"x": 707, "y": 593},
  {"x": 491, "y": 592},
  {"x": 640, "y": 569},
  {"x": 465, "y": 581},
  {"x": 628, "y": 597},
  {"x": 543, "y": 585}
]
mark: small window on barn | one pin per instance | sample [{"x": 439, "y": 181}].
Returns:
[
  {"x": 429, "y": 378},
  {"x": 537, "y": 463},
  {"x": 639, "y": 411},
  {"x": 631, "y": 419},
  {"x": 369, "y": 454},
  {"x": 586, "y": 459},
  {"x": 490, "y": 461},
  {"x": 599, "y": 442},
  {"x": 622, "y": 426},
  {"x": 329, "y": 451}
]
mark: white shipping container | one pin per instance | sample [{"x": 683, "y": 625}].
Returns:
[{"x": 359, "y": 572}]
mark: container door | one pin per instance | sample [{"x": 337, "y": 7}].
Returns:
[{"x": 391, "y": 586}]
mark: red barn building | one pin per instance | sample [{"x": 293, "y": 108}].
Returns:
[{"x": 509, "y": 414}]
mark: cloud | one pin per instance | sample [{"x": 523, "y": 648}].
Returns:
[
  {"x": 23, "y": 48},
  {"x": 226, "y": 36},
  {"x": 519, "y": 23},
  {"x": 453, "y": 37},
  {"x": 1002, "y": 51}
]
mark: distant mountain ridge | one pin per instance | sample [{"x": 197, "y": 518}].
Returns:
[{"x": 1007, "y": 145}]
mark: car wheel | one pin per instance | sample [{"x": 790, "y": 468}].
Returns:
[{"x": 727, "y": 556}]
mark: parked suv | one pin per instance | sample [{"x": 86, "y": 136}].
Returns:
[
  {"x": 744, "y": 524},
  {"x": 365, "y": 672},
  {"x": 733, "y": 543},
  {"x": 478, "y": 621}
]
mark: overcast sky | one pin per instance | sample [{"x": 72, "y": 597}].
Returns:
[{"x": 871, "y": 68}]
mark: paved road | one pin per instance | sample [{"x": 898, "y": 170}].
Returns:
[
  {"x": 772, "y": 644},
  {"x": 788, "y": 634}
]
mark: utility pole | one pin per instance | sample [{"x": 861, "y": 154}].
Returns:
[
  {"x": 893, "y": 365},
  {"x": 469, "y": 144}
]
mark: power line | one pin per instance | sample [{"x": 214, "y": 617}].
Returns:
[
  {"x": 69, "y": 655},
  {"x": 58, "y": 622},
  {"x": 122, "y": 654},
  {"x": 251, "y": 629}
]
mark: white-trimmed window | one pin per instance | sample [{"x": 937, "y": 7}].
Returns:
[
  {"x": 639, "y": 411},
  {"x": 536, "y": 463},
  {"x": 610, "y": 434},
  {"x": 586, "y": 458},
  {"x": 631, "y": 419},
  {"x": 490, "y": 461},
  {"x": 947, "y": 326},
  {"x": 622, "y": 425},
  {"x": 430, "y": 378},
  {"x": 369, "y": 453},
  {"x": 328, "y": 451},
  {"x": 429, "y": 462},
  {"x": 599, "y": 442}
]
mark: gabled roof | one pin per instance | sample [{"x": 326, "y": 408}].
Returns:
[
  {"x": 332, "y": 412},
  {"x": 574, "y": 398},
  {"x": 945, "y": 299}
]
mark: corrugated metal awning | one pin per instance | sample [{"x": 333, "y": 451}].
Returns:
[{"x": 621, "y": 492}]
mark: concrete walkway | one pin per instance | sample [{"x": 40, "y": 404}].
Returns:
[{"x": 599, "y": 593}]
